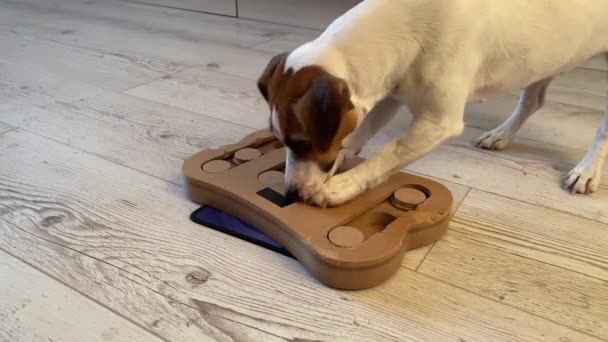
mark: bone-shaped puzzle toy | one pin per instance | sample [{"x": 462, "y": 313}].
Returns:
[{"x": 354, "y": 246}]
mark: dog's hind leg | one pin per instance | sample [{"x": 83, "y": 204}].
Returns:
[
  {"x": 585, "y": 177},
  {"x": 531, "y": 100}
]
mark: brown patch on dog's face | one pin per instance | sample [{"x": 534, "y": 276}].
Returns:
[
  {"x": 325, "y": 117},
  {"x": 313, "y": 110}
]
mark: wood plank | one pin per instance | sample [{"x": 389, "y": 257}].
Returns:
[
  {"x": 154, "y": 44},
  {"x": 556, "y": 123},
  {"x": 210, "y": 41},
  {"x": 26, "y": 12},
  {"x": 584, "y": 79},
  {"x": 153, "y": 21},
  {"x": 570, "y": 242},
  {"x": 105, "y": 70},
  {"x": 147, "y": 137},
  {"x": 138, "y": 133},
  {"x": 568, "y": 298},
  {"x": 111, "y": 213},
  {"x": 159, "y": 24},
  {"x": 565, "y": 297},
  {"x": 36, "y": 308},
  {"x": 155, "y": 33},
  {"x": 225, "y": 97},
  {"x": 122, "y": 290},
  {"x": 577, "y": 97},
  {"x": 22, "y": 87}
]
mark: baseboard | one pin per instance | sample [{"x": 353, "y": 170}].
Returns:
[{"x": 314, "y": 14}]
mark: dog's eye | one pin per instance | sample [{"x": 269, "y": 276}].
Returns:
[{"x": 300, "y": 146}]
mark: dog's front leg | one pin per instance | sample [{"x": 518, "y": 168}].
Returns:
[
  {"x": 423, "y": 135},
  {"x": 378, "y": 117},
  {"x": 437, "y": 104}
]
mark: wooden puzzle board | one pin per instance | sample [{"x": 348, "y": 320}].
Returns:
[{"x": 354, "y": 246}]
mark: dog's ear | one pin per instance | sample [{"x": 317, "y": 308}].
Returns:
[
  {"x": 321, "y": 110},
  {"x": 266, "y": 77}
]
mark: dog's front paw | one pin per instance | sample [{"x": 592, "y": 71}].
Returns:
[
  {"x": 338, "y": 190},
  {"x": 496, "y": 139},
  {"x": 584, "y": 178}
]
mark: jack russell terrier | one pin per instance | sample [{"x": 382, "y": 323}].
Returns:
[{"x": 328, "y": 97}]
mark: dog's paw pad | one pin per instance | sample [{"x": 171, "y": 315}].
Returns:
[
  {"x": 583, "y": 180},
  {"x": 494, "y": 140}
]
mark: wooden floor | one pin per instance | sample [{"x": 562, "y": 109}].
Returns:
[{"x": 101, "y": 101}]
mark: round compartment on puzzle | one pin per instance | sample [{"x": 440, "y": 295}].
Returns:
[
  {"x": 216, "y": 166},
  {"x": 345, "y": 236},
  {"x": 408, "y": 198},
  {"x": 272, "y": 177},
  {"x": 246, "y": 154}
]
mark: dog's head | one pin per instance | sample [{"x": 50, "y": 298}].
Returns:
[{"x": 311, "y": 113}]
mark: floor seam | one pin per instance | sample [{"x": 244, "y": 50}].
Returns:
[
  {"x": 108, "y": 159},
  {"x": 155, "y": 79},
  {"x": 266, "y": 41},
  {"x": 455, "y": 211},
  {"x": 188, "y": 111},
  {"x": 11, "y": 129},
  {"x": 515, "y": 199},
  {"x": 461, "y": 234},
  {"x": 464, "y": 289}
]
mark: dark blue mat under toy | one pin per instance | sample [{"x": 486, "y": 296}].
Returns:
[{"x": 228, "y": 224}]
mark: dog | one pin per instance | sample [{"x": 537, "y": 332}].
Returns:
[{"x": 329, "y": 96}]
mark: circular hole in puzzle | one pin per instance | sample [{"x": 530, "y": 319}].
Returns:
[
  {"x": 345, "y": 236},
  {"x": 272, "y": 177},
  {"x": 246, "y": 154},
  {"x": 215, "y": 166},
  {"x": 408, "y": 198}
]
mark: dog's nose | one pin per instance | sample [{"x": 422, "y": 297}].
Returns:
[{"x": 292, "y": 194}]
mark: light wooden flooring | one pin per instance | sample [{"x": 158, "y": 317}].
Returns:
[{"x": 101, "y": 101}]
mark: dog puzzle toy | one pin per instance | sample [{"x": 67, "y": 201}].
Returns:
[{"x": 353, "y": 246}]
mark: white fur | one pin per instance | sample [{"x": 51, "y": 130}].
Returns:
[
  {"x": 434, "y": 56},
  {"x": 306, "y": 174},
  {"x": 275, "y": 124}
]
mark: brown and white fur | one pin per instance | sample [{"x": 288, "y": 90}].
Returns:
[{"x": 328, "y": 97}]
